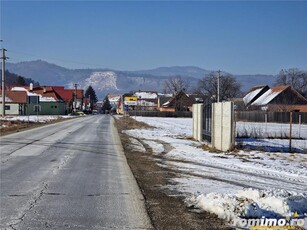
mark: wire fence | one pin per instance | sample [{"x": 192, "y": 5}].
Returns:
[
  {"x": 160, "y": 114},
  {"x": 271, "y": 117}
]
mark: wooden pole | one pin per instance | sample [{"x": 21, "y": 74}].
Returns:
[{"x": 290, "y": 133}]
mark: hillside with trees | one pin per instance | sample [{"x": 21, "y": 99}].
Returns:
[{"x": 17, "y": 80}]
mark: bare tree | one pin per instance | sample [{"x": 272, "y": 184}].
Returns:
[
  {"x": 174, "y": 85},
  {"x": 295, "y": 78},
  {"x": 229, "y": 87}
]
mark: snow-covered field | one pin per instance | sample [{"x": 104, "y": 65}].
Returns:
[
  {"x": 271, "y": 130},
  {"x": 244, "y": 184}
]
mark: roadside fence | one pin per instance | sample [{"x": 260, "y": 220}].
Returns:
[
  {"x": 160, "y": 114},
  {"x": 271, "y": 117}
]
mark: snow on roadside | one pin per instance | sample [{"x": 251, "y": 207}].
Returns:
[
  {"x": 231, "y": 185},
  {"x": 136, "y": 145},
  {"x": 156, "y": 147},
  {"x": 34, "y": 118},
  {"x": 251, "y": 203}
]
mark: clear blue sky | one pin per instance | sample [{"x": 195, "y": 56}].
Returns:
[{"x": 238, "y": 37}]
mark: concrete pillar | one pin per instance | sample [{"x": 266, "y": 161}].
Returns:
[
  {"x": 200, "y": 122},
  {"x": 222, "y": 125}
]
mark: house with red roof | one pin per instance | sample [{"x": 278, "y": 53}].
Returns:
[
  {"x": 15, "y": 102},
  {"x": 74, "y": 98},
  {"x": 180, "y": 102},
  {"x": 41, "y": 100}
]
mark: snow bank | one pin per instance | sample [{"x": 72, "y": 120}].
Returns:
[
  {"x": 135, "y": 145},
  {"x": 34, "y": 118},
  {"x": 155, "y": 146},
  {"x": 251, "y": 203}
]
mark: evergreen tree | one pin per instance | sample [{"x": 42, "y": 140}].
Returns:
[
  {"x": 106, "y": 104},
  {"x": 90, "y": 93},
  {"x": 21, "y": 81}
]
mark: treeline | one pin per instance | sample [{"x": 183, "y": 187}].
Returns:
[
  {"x": 17, "y": 80},
  {"x": 229, "y": 87}
]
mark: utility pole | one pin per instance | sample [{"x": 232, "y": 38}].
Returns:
[
  {"x": 218, "y": 86},
  {"x": 3, "y": 81},
  {"x": 75, "y": 99},
  {"x": 290, "y": 133}
]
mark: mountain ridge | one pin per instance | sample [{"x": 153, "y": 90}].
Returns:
[{"x": 105, "y": 80}]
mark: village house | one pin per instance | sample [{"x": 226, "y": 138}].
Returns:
[
  {"x": 74, "y": 98},
  {"x": 139, "y": 100},
  {"x": 180, "y": 102},
  {"x": 146, "y": 100},
  {"x": 114, "y": 100},
  {"x": 15, "y": 102},
  {"x": 42, "y": 100},
  {"x": 279, "y": 99}
]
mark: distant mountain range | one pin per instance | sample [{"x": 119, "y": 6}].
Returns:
[{"x": 106, "y": 81}]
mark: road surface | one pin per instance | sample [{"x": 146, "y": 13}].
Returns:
[{"x": 69, "y": 175}]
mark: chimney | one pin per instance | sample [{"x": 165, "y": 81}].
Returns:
[
  {"x": 45, "y": 89},
  {"x": 31, "y": 86}
]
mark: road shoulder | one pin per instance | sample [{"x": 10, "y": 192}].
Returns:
[{"x": 166, "y": 209}]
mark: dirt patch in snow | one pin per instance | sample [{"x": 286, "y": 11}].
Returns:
[{"x": 166, "y": 208}]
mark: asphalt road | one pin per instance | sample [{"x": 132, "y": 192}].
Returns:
[{"x": 69, "y": 175}]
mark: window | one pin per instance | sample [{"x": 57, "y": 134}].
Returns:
[
  {"x": 36, "y": 108},
  {"x": 7, "y": 107}
]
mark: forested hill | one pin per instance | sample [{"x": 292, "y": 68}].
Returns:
[{"x": 17, "y": 80}]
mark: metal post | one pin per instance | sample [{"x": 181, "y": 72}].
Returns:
[
  {"x": 266, "y": 123},
  {"x": 37, "y": 109},
  {"x": 234, "y": 127},
  {"x": 75, "y": 99},
  {"x": 218, "y": 86},
  {"x": 135, "y": 109},
  {"x": 3, "y": 81},
  {"x": 299, "y": 125},
  {"x": 290, "y": 133}
]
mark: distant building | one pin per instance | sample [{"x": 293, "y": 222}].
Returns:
[
  {"x": 146, "y": 100},
  {"x": 254, "y": 94},
  {"x": 180, "y": 102},
  {"x": 279, "y": 98},
  {"x": 15, "y": 102},
  {"x": 114, "y": 100},
  {"x": 139, "y": 100},
  {"x": 42, "y": 100},
  {"x": 72, "y": 97}
]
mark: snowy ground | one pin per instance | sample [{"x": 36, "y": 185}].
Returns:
[
  {"x": 32, "y": 118},
  {"x": 271, "y": 130},
  {"x": 241, "y": 184}
]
